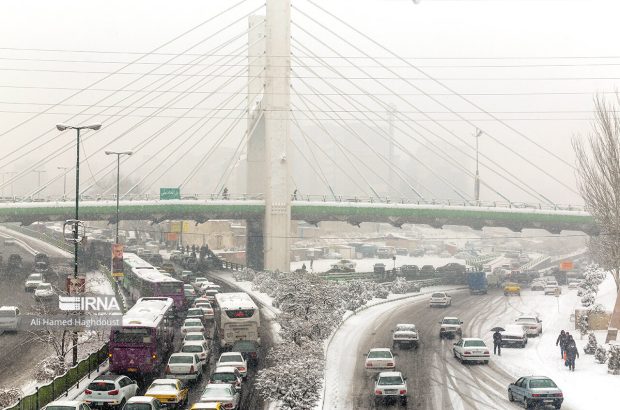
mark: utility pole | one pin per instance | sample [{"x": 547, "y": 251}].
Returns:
[
  {"x": 39, "y": 172},
  {"x": 64, "y": 182},
  {"x": 477, "y": 180}
]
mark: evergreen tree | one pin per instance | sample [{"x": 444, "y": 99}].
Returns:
[
  {"x": 591, "y": 346},
  {"x": 613, "y": 365},
  {"x": 601, "y": 354}
]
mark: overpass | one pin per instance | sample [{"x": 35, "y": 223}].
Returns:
[{"x": 312, "y": 211}]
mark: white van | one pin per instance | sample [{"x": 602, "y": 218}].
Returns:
[{"x": 9, "y": 319}]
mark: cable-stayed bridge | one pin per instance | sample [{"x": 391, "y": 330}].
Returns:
[{"x": 276, "y": 102}]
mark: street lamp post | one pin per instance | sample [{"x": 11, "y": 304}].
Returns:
[
  {"x": 118, "y": 180},
  {"x": 64, "y": 182},
  {"x": 39, "y": 172},
  {"x": 62, "y": 127}
]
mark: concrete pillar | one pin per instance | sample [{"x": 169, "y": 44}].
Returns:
[
  {"x": 255, "y": 177},
  {"x": 277, "y": 131}
]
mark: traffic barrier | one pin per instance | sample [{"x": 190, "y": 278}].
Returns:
[{"x": 61, "y": 385}]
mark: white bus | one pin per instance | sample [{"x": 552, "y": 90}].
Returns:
[{"x": 237, "y": 318}]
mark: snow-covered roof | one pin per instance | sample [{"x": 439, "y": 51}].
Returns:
[
  {"x": 380, "y": 349},
  {"x": 235, "y": 300},
  {"x": 145, "y": 270},
  {"x": 147, "y": 312},
  {"x": 390, "y": 374}
]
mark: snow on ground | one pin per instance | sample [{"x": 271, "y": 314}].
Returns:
[
  {"x": 367, "y": 264},
  {"x": 589, "y": 386},
  {"x": 51, "y": 250}
]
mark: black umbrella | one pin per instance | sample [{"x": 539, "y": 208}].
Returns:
[{"x": 498, "y": 329}]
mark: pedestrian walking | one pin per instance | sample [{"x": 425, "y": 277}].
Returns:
[
  {"x": 497, "y": 343},
  {"x": 561, "y": 341},
  {"x": 225, "y": 193},
  {"x": 571, "y": 353}
]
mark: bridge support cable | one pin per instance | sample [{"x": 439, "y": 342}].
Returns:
[
  {"x": 110, "y": 167},
  {"x": 439, "y": 152},
  {"x": 312, "y": 165},
  {"x": 319, "y": 124},
  {"x": 385, "y": 135},
  {"x": 309, "y": 140},
  {"x": 381, "y": 103},
  {"x": 437, "y": 101},
  {"x": 176, "y": 98},
  {"x": 135, "y": 61},
  {"x": 69, "y": 145}
]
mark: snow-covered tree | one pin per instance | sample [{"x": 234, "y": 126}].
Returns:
[
  {"x": 613, "y": 364},
  {"x": 588, "y": 299},
  {"x": 9, "y": 396},
  {"x": 49, "y": 368},
  {"x": 582, "y": 324},
  {"x": 590, "y": 348},
  {"x": 600, "y": 355}
]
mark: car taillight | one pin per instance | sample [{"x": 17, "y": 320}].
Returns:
[
  {"x": 242, "y": 369},
  {"x": 368, "y": 364},
  {"x": 88, "y": 391},
  {"x": 558, "y": 395},
  {"x": 191, "y": 369},
  {"x": 403, "y": 392},
  {"x": 466, "y": 352},
  {"x": 167, "y": 369},
  {"x": 378, "y": 391},
  {"x": 113, "y": 392},
  {"x": 486, "y": 352},
  {"x": 390, "y": 364},
  {"x": 535, "y": 395},
  {"x": 228, "y": 406}
]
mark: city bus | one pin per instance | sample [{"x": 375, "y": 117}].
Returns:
[
  {"x": 141, "y": 279},
  {"x": 141, "y": 344},
  {"x": 237, "y": 318}
]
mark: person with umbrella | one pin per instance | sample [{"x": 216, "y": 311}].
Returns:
[{"x": 497, "y": 340}]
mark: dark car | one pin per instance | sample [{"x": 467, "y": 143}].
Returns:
[
  {"x": 534, "y": 391},
  {"x": 427, "y": 270},
  {"x": 409, "y": 270},
  {"x": 248, "y": 349}
]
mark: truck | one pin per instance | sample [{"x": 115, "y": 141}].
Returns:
[{"x": 477, "y": 282}]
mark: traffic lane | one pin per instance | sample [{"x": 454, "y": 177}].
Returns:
[{"x": 435, "y": 379}]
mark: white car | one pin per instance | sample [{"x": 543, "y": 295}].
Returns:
[
  {"x": 197, "y": 282},
  {"x": 532, "y": 324},
  {"x": 405, "y": 335},
  {"x": 551, "y": 289},
  {"x": 184, "y": 366},
  {"x": 380, "y": 358},
  {"x": 194, "y": 313},
  {"x": 234, "y": 359},
  {"x": 32, "y": 281},
  {"x": 391, "y": 386},
  {"x": 9, "y": 319},
  {"x": 514, "y": 335},
  {"x": 440, "y": 299},
  {"x": 209, "y": 294},
  {"x": 143, "y": 403},
  {"x": 194, "y": 337},
  {"x": 227, "y": 375},
  {"x": 110, "y": 390},
  {"x": 225, "y": 394},
  {"x": 199, "y": 348},
  {"x": 44, "y": 291},
  {"x": 471, "y": 349},
  {"x": 192, "y": 325},
  {"x": 66, "y": 405},
  {"x": 450, "y": 327},
  {"x": 207, "y": 310},
  {"x": 538, "y": 285}
]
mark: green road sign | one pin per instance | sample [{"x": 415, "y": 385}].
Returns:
[{"x": 169, "y": 193}]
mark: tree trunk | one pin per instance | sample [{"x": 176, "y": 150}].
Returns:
[{"x": 614, "y": 323}]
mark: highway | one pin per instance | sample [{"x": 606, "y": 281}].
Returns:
[{"x": 436, "y": 380}]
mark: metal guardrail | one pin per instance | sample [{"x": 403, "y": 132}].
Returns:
[
  {"x": 311, "y": 198},
  {"x": 61, "y": 385}
]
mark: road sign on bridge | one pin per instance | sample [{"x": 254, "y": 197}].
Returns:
[{"x": 169, "y": 193}]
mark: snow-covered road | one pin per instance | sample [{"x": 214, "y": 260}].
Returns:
[{"x": 436, "y": 380}]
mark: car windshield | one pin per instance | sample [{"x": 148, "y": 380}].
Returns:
[
  {"x": 474, "y": 343},
  {"x": 216, "y": 391},
  {"x": 194, "y": 337},
  {"x": 137, "y": 406},
  {"x": 180, "y": 359},
  {"x": 451, "y": 322},
  {"x": 194, "y": 312},
  {"x": 193, "y": 323},
  {"x": 35, "y": 276},
  {"x": 191, "y": 349},
  {"x": 223, "y": 377},
  {"x": 101, "y": 386},
  {"x": 389, "y": 380},
  {"x": 380, "y": 354},
  {"x": 231, "y": 358},
  {"x": 438, "y": 295},
  {"x": 541, "y": 383}
]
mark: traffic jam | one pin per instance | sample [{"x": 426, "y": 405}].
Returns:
[{"x": 181, "y": 345}]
